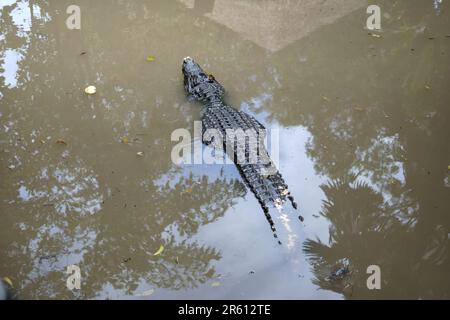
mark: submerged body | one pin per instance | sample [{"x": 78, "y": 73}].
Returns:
[{"x": 251, "y": 156}]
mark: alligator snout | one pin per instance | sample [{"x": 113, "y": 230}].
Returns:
[{"x": 185, "y": 60}]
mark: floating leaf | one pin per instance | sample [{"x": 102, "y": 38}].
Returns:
[
  {"x": 124, "y": 140},
  {"x": 90, "y": 90},
  {"x": 449, "y": 167},
  {"x": 140, "y": 154},
  {"x": 160, "y": 250},
  {"x": 151, "y": 58},
  {"x": 427, "y": 87},
  {"x": 215, "y": 284},
  {"x": 8, "y": 281},
  {"x": 62, "y": 142},
  {"x": 374, "y": 35},
  {"x": 325, "y": 99},
  {"x": 145, "y": 293}
]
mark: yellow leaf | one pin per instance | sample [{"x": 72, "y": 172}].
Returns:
[
  {"x": 449, "y": 167},
  {"x": 189, "y": 190},
  {"x": 375, "y": 35},
  {"x": 150, "y": 58},
  {"x": 125, "y": 140},
  {"x": 215, "y": 284},
  {"x": 8, "y": 281},
  {"x": 90, "y": 90},
  {"x": 160, "y": 250}
]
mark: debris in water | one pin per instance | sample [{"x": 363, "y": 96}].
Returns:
[
  {"x": 140, "y": 154},
  {"x": 8, "y": 281},
  {"x": 215, "y": 284},
  {"x": 83, "y": 53},
  {"x": 160, "y": 250},
  {"x": 61, "y": 142},
  {"x": 151, "y": 58},
  {"x": 145, "y": 293},
  {"x": 189, "y": 190},
  {"x": 374, "y": 35},
  {"x": 301, "y": 218},
  {"x": 427, "y": 87},
  {"x": 90, "y": 90},
  {"x": 325, "y": 99},
  {"x": 124, "y": 140}
]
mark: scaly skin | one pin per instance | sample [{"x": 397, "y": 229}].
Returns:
[{"x": 260, "y": 174}]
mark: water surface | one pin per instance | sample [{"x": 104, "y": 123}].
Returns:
[{"x": 364, "y": 147}]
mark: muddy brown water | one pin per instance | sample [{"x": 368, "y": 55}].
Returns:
[{"x": 363, "y": 144}]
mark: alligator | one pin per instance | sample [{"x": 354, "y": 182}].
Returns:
[{"x": 259, "y": 174}]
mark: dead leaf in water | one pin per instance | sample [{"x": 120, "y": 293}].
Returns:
[
  {"x": 140, "y": 154},
  {"x": 151, "y": 58},
  {"x": 8, "y": 281},
  {"x": 374, "y": 35},
  {"x": 124, "y": 140},
  {"x": 62, "y": 142},
  {"x": 160, "y": 250},
  {"x": 427, "y": 87},
  {"x": 90, "y": 90}
]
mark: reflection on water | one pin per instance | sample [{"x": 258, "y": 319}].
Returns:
[{"x": 363, "y": 146}]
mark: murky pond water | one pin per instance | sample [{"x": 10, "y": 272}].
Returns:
[{"x": 88, "y": 180}]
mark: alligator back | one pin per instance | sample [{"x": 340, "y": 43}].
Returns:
[{"x": 259, "y": 173}]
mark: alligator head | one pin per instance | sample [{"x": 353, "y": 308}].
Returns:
[{"x": 198, "y": 84}]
